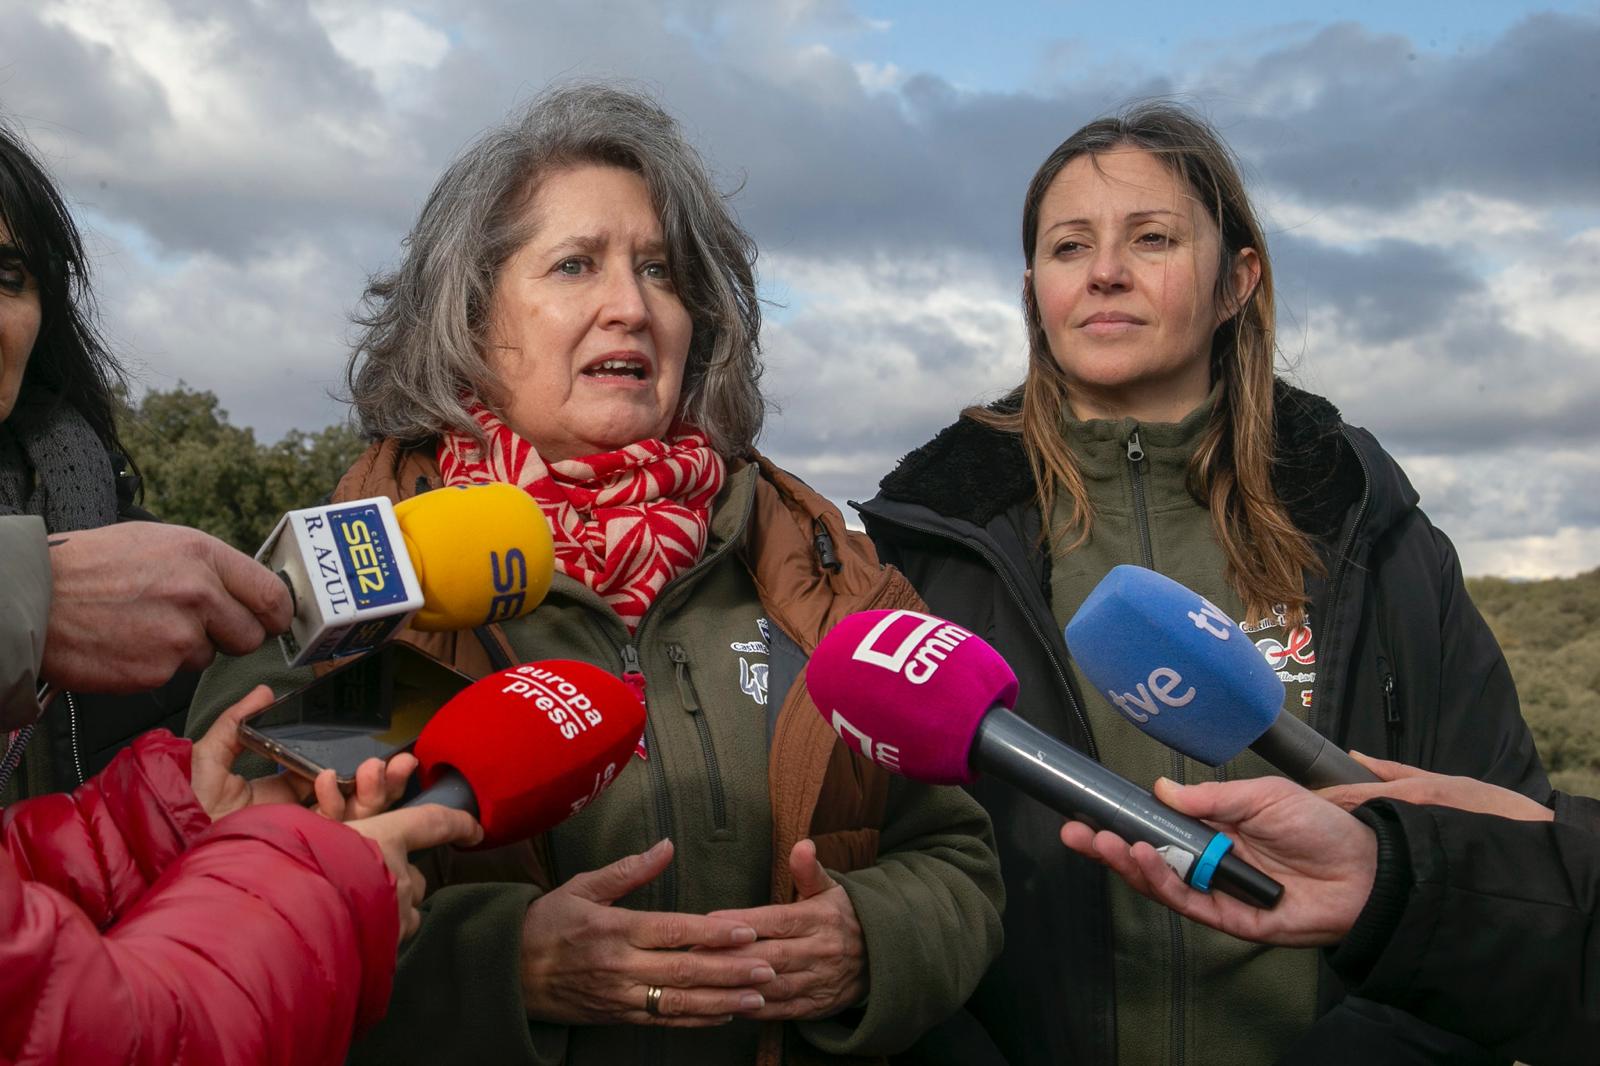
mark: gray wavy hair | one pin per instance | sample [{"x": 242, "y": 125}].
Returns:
[{"x": 419, "y": 351}]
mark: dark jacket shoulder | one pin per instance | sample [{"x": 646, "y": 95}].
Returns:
[{"x": 973, "y": 472}]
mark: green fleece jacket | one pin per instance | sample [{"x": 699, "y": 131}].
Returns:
[
  {"x": 928, "y": 905},
  {"x": 1178, "y": 984}
]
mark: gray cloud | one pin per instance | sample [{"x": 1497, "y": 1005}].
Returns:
[
  {"x": 1391, "y": 290},
  {"x": 1354, "y": 117},
  {"x": 260, "y": 190}
]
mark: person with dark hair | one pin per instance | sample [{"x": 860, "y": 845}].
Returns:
[
  {"x": 576, "y": 314},
  {"x": 61, "y": 461},
  {"x": 166, "y": 910},
  {"x": 1150, "y": 429}
]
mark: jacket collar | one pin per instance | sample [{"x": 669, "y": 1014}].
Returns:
[{"x": 972, "y": 473}]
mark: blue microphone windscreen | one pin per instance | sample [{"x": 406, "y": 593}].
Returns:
[{"x": 1174, "y": 665}]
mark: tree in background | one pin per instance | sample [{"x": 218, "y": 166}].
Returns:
[{"x": 200, "y": 470}]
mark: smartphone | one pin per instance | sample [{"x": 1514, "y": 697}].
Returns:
[{"x": 373, "y": 707}]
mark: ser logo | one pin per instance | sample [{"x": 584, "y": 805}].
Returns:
[
  {"x": 364, "y": 555},
  {"x": 510, "y": 585},
  {"x": 910, "y": 644}
]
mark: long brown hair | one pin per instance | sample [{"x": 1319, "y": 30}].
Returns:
[{"x": 1231, "y": 472}]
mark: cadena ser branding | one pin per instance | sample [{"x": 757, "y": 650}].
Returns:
[
  {"x": 354, "y": 561},
  {"x": 510, "y": 577},
  {"x": 910, "y": 644}
]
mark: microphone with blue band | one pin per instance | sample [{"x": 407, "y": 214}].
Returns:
[{"x": 1183, "y": 672}]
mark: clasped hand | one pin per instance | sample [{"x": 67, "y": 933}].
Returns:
[{"x": 585, "y": 961}]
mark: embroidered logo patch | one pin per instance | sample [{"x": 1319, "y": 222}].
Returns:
[
  {"x": 753, "y": 676},
  {"x": 753, "y": 681}
]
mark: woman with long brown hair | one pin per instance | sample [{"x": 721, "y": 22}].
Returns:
[{"x": 1151, "y": 429}]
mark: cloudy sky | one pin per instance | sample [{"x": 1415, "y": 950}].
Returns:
[{"x": 1430, "y": 173}]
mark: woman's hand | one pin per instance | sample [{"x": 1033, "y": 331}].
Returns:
[
  {"x": 1325, "y": 859},
  {"x": 1412, "y": 785},
  {"x": 221, "y": 791},
  {"x": 399, "y": 833},
  {"x": 814, "y": 946},
  {"x": 587, "y": 962}
]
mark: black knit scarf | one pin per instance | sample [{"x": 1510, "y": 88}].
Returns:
[{"x": 53, "y": 465}]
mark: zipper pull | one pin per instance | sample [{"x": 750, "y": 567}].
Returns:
[
  {"x": 633, "y": 677},
  {"x": 632, "y": 673},
  {"x": 822, "y": 541},
  {"x": 1135, "y": 449},
  {"x": 686, "y": 693},
  {"x": 1391, "y": 709}
]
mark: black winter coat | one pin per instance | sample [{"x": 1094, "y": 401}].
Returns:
[
  {"x": 1407, "y": 668},
  {"x": 1488, "y": 927}
]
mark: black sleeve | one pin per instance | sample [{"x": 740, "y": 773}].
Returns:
[
  {"x": 1580, "y": 812},
  {"x": 1498, "y": 937}
]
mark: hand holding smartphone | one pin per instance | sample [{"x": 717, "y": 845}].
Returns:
[{"x": 372, "y": 707}]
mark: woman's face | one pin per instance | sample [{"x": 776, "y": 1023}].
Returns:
[
  {"x": 1124, "y": 278},
  {"x": 19, "y": 321},
  {"x": 586, "y": 330}
]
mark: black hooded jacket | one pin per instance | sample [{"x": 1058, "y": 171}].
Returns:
[{"x": 1407, "y": 669}]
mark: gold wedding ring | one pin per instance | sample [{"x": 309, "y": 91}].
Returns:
[{"x": 652, "y": 1000}]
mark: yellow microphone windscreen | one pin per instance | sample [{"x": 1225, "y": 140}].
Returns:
[{"x": 481, "y": 552}]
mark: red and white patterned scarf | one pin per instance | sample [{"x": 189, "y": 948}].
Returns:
[{"x": 624, "y": 522}]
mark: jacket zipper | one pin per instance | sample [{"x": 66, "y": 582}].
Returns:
[
  {"x": 1141, "y": 517},
  {"x": 1337, "y": 580},
  {"x": 633, "y": 677},
  {"x": 691, "y": 703},
  {"x": 16, "y": 743},
  {"x": 998, "y": 566},
  {"x": 72, "y": 732},
  {"x": 1147, "y": 556}
]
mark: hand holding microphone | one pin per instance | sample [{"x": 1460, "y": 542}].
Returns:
[
  {"x": 133, "y": 603},
  {"x": 400, "y": 833},
  {"x": 1325, "y": 858},
  {"x": 930, "y": 700}
]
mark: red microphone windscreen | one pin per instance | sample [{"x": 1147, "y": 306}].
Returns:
[
  {"x": 536, "y": 742},
  {"x": 907, "y": 690}
]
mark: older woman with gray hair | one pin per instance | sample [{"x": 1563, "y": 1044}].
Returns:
[{"x": 576, "y": 314}]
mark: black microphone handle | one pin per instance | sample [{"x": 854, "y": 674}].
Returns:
[
  {"x": 1308, "y": 758},
  {"x": 450, "y": 790},
  {"x": 1068, "y": 781}
]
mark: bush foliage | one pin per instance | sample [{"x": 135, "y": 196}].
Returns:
[{"x": 1550, "y": 631}]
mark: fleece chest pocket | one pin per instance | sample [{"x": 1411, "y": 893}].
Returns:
[{"x": 689, "y": 698}]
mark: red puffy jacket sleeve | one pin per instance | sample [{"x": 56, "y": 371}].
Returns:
[{"x": 133, "y": 931}]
